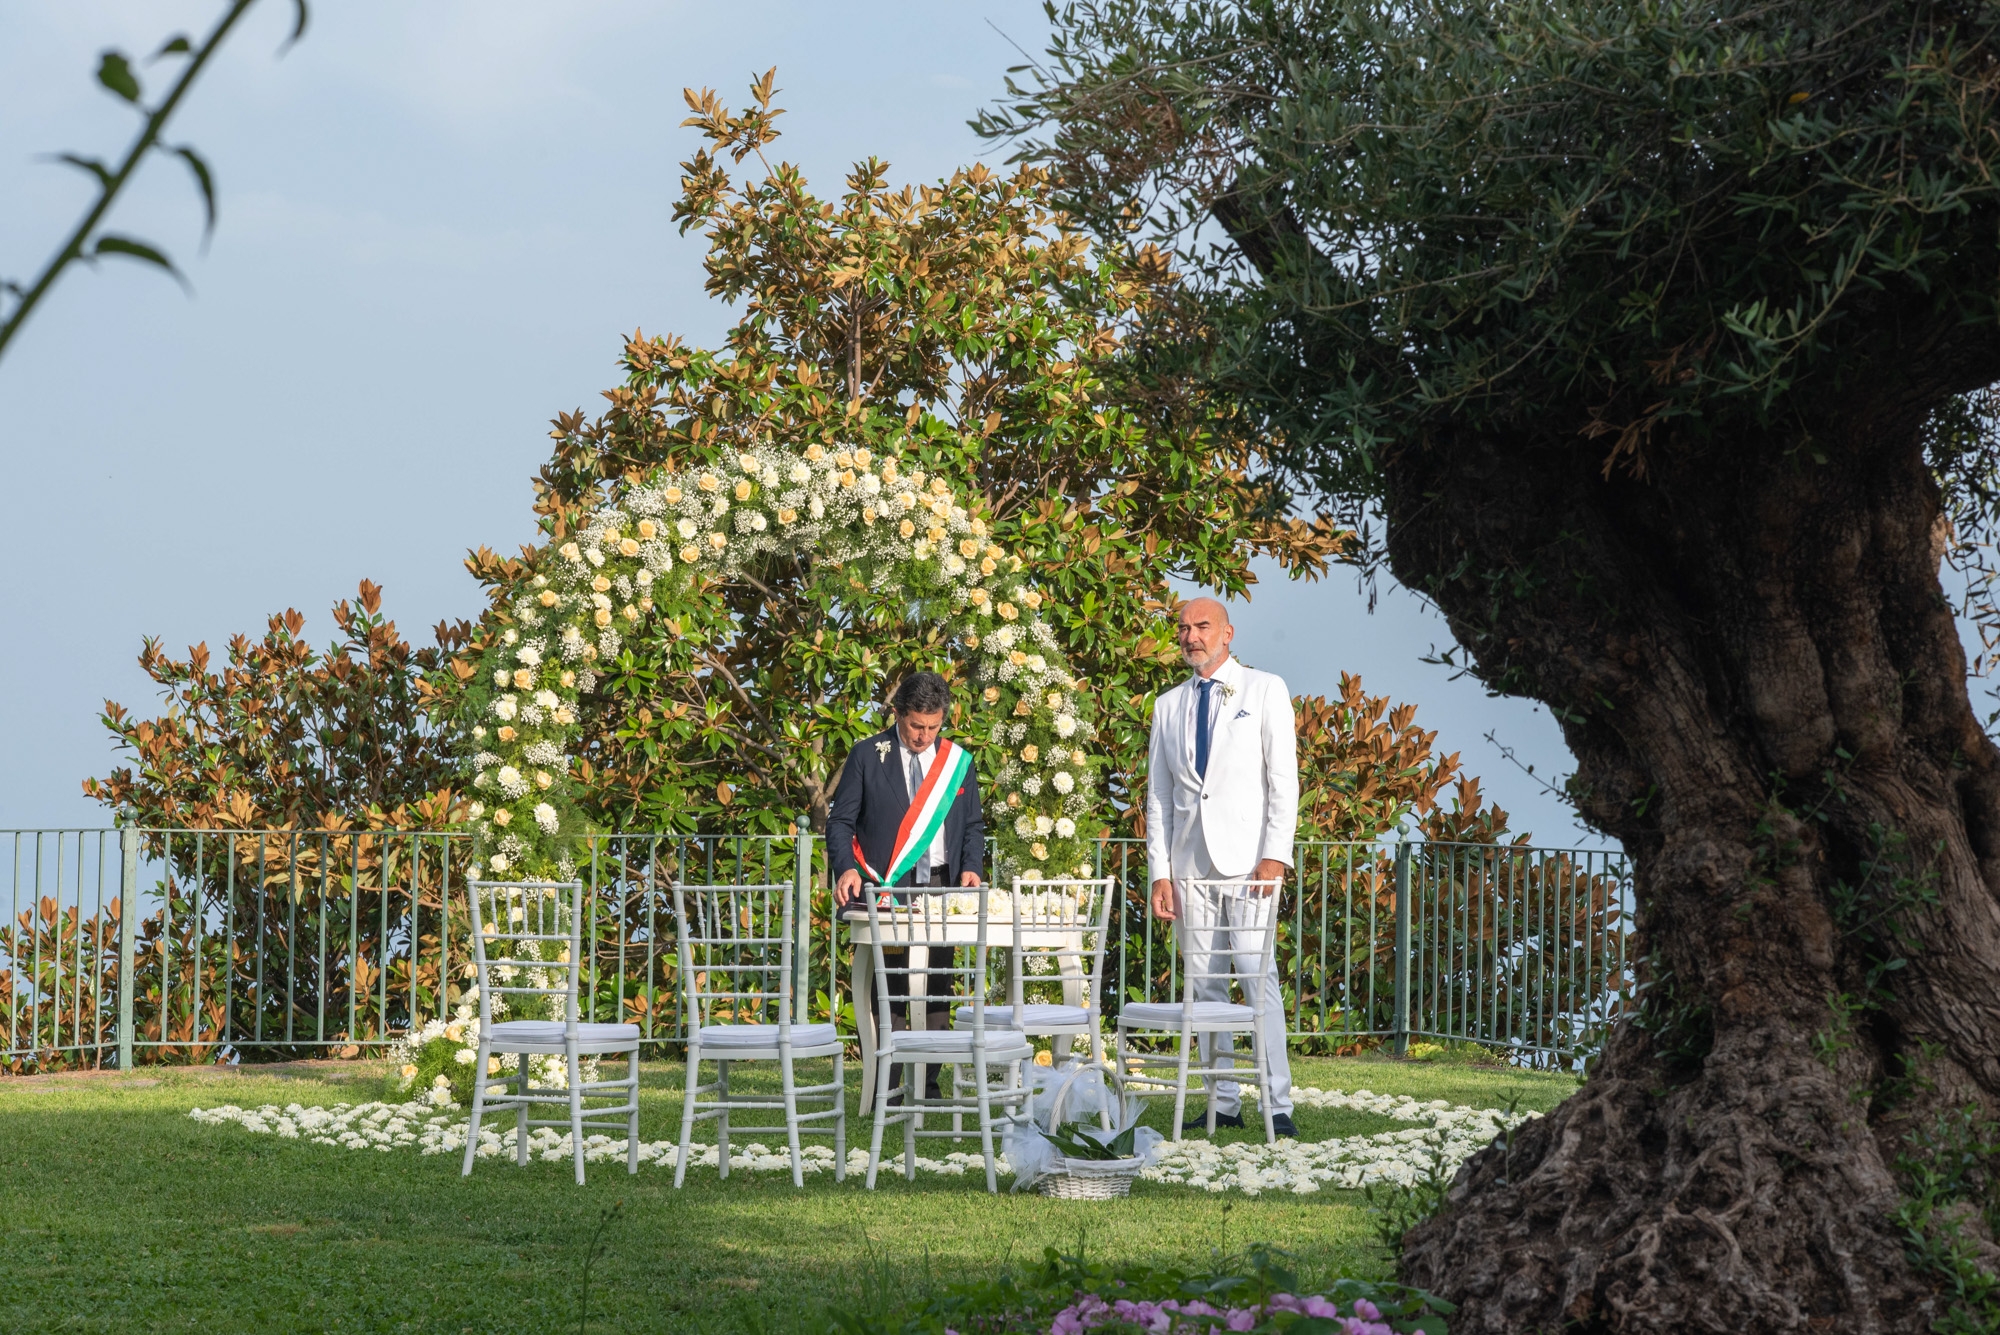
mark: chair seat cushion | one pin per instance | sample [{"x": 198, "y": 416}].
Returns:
[
  {"x": 1001, "y": 1044},
  {"x": 1035, "y": 1015},
  {"x": 739, "y": 1037},
  {"x": 1167, "y": 1014},
  {"x": 549, "y": 1033}
]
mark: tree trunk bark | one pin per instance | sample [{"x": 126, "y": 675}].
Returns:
[{"x": 1763, "y": 684}]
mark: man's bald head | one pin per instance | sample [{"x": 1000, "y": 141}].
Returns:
[{"x": 1204, "y": 634}]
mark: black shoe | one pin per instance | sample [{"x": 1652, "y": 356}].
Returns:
[
  {"x": 1221, "y": 1120},
  {"x": 1281, "y": 1126}
]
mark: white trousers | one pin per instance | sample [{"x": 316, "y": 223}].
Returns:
[{"x": 1224, "y": 906}]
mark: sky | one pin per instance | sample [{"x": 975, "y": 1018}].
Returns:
[{"x": 438, "y": 221}]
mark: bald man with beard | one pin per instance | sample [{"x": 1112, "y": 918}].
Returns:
[{"x": 1222, "y": 803}]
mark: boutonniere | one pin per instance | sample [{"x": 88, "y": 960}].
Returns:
[
  {"x": 882, "y": 753},
  {"x": 1228, "y": 691}
]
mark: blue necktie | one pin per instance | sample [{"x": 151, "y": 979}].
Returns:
[{"x": 1201, "y": 729}]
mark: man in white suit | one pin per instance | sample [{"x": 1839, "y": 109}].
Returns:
[{"x": 1222, "y": 803}]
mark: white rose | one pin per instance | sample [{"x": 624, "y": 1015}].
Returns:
[
  {"x": 509, "y": 776},
  {"x": 1065, "y": 828},
  {"x": 506, "y": 707},
  {"x": 546, "y": 699},
  {"x": 500, "y": 677},
  {"x": 686, "y": 528},
  {"x": 1043, "y": 825}
]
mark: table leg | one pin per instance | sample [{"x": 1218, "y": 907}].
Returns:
[{"x": 862, "y": 981}]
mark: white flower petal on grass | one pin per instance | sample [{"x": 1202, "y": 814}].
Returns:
[{"x": 1447, "y": 1136}]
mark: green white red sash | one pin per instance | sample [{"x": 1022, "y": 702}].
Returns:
[{"x": 928, "y": 808}]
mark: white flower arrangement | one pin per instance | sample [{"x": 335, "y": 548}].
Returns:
[
  {"x": 846, "y": 507},
  {"x": 1443, "y": 1135}
]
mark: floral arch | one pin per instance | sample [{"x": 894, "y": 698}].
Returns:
[{"x": 867, "y": 517}]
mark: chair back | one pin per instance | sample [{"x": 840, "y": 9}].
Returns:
[
  {"x": 736, "y": 953},
  {"x": 1250, "y": 930},
  {"x": 527, "y": 942},
  {"x": 910, "y": 919},
  {"x": 1060, "y": 929}
]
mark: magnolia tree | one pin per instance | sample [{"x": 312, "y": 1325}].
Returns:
[
  {"x": 966, "y": 330},
  {"x": 1643, "y": 328}
]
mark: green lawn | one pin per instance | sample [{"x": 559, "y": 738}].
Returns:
[{"x": 117, "y": 1213}]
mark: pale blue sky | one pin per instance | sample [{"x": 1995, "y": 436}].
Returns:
[{"x": 438, "y": 220}]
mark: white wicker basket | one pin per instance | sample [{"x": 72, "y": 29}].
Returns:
[{"x": 1090, "y": 1179}]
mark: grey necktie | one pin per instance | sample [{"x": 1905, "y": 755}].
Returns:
[{"x": 916, "y": 777}]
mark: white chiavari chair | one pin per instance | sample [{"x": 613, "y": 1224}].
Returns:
[
  {"x": 905, "y": 927},
  {"x": 737, "y": 977},
  {"x": 527, "y": 945},
  {"x": 1227, "y": 933}
]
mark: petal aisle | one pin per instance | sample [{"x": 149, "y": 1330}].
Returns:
[{"x": 1442, "y": 1136}]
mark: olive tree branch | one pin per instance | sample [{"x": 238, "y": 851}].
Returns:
[{"x": 115, "y": 73}]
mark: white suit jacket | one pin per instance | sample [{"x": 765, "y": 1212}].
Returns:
[{"x": 1247, "y": 808}]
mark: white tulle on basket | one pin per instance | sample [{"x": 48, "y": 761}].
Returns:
[{"x": 1073, "y": 1102}]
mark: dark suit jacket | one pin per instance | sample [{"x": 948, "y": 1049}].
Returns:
[{"x": 869, "y": 805}]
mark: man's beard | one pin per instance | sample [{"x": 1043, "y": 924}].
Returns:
[{"x": 1200, "y": 663}]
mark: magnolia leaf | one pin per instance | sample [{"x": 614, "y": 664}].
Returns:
[
  {"x": 115, "y": 73},
  {"x": 177, "y": 45}
]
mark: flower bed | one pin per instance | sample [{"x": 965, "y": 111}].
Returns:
[
  {"x": 1256, "y": 1291},
  {"x": 436, "y": 1124}
]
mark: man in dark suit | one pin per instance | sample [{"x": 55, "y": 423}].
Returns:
[{"x": 896, "y": 788}]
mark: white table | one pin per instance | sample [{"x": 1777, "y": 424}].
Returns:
[{"x": 957, "y": 929}]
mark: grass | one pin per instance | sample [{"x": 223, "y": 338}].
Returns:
[{"x": 119, "y": 1214}]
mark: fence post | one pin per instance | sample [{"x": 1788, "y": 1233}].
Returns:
[
  {"x": 802, "y": 928},
  {"x": 1402, "y": 1030},
  {"x": 128, "y": 923}
]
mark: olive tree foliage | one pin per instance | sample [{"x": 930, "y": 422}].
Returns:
[
  {"x": 968, "y": 330},
  {"x": 1657, "y": 336}
]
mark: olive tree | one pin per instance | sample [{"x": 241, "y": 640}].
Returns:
[{"x": 1646, "y": 331}]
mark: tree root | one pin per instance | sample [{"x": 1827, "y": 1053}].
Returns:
[{"x": 1751, "y": 1198}]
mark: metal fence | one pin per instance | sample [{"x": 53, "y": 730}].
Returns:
[{"x": 277, "y": 944}]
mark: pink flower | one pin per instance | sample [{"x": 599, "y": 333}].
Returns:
[
  {"x": 1366, "y": 1310},
  {"x": 1242, "y": 1318},
  {"x": 1318, "y": 1306}
]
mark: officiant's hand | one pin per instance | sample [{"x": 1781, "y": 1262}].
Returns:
[
  {"x": 969, "y": 879},
  {"x": 848, "y": 888}
]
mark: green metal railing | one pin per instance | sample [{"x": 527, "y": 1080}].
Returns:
[{"x": 279, "y": 944}]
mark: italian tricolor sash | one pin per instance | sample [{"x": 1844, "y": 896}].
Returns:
[{"x": 928, "y": 808}]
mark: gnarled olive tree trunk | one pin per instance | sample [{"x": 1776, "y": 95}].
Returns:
[{"x": 1765, "y": 691}]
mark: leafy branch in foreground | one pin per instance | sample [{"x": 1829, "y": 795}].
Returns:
[{"x": 87, "y": 244}]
